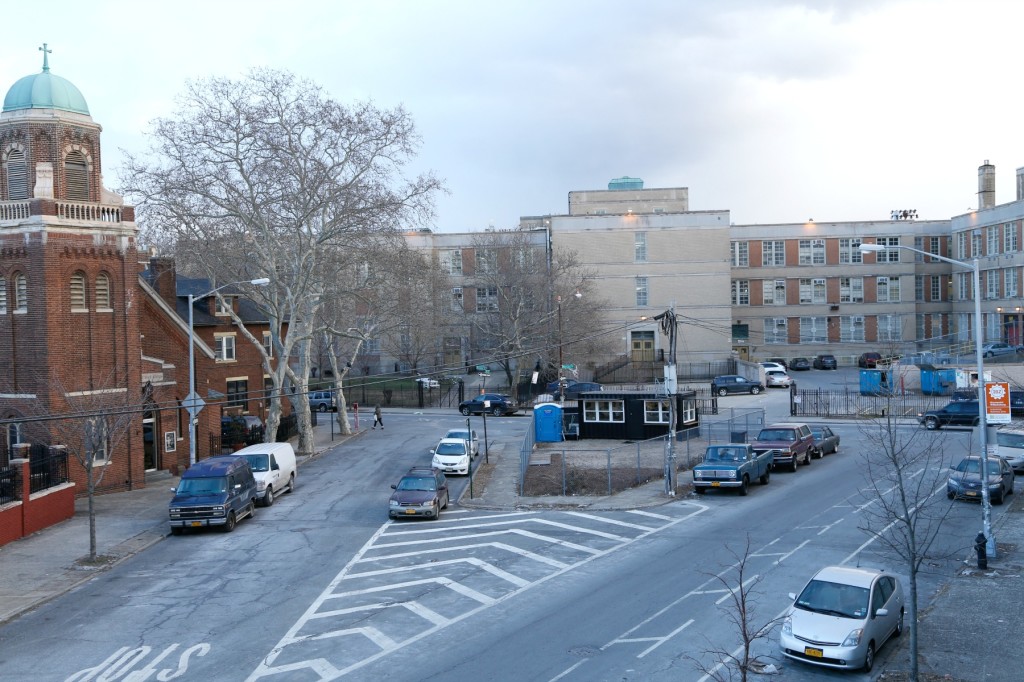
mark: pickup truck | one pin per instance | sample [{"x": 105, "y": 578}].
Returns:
[{"x": 732, "y": 466}]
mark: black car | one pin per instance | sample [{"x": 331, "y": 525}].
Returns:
[
  {"x": 552, "y": 387},
  {"x": 965, "y": 479},
  {"x": 734, "y": 383},
  {"x": 497, "y": 405},
  {"x": 799, "y": 364},
  {"x": 825, "y": 362},
  {"x": 825, "y": 439},
  {"x": 573, "y": 391},
  {"x": 956, "y": 413}
]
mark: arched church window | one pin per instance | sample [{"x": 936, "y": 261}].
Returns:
[
  {"x": 78, "y": 291},
  {"x": 102, "y": 291},
  {"x": 17, "y": 175},
  {"x": 76, "y": 175},
  {"x": 20, "y": 293}
]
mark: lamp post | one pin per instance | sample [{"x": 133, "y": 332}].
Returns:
[
  {"x": 193, "y": 403},
  {"x": 974, "y": 266},
  {"x": 558, "y": 301},
  {"x": 668, "y": 326}
]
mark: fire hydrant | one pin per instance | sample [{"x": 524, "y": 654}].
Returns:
[{"x": 979, "y": 547}]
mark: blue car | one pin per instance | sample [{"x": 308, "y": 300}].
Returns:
[{"x": 734, "y": 383}]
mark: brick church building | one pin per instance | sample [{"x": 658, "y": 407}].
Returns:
[{"x": 83, "y": 313}]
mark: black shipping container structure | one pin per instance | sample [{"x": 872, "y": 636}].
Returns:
[{"x": 631, "y": 415}]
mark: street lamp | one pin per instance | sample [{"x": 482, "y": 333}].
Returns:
[
  {"x": 669, "y": 326},
  {"x": 974, "y": 266},
  {"x": 193, "y": 403}
]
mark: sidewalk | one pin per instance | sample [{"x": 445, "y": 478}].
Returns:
[{"x": 966, "y": 635}]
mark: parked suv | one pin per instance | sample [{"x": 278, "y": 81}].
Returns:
[
  {"x": 499, "y": 405},
  {"x": 218, "y": 491},
  {"x": 792, "y": 443},
  {"x": 956, "y": 413},
  {"x": 825, "y": 362},
  {"x": 323, "y": 401}
]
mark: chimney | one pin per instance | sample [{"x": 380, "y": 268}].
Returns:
[
  {"x": 986, "y": 185},
  {"x": 1020, "y": 184},
  {"x": 164, "y": 278}
]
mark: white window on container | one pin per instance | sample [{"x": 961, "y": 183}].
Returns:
[
  {"x": 656, "y": 411},
  {"x": 604, "y": 411}
]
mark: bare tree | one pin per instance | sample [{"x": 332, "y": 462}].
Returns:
[
  {"x": 516, "y": 316},
  {"x": 93, "y": 430},
  {"x": 905, "y": 479},
  {"x": 269, "y": 177},
  {"x": 741, "y": 612}
]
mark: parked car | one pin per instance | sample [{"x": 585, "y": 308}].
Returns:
[
  {"x": 790, "y": 442},
  {"x": 734, "y": 383},
  {"x": 497, "y": 405},
  {"x": 997, "y": 348},
  {"x": 777, "y": 378},
  {"x": 1010, "y": 445},
  {"x": 1016, "y": 402},
  {"x": 482, "y": 370},
  {"x": 452, "y": 456},
  {"x": 869, "y": 360},
  {"x": 214, "y": 492},
  {"x": 770, "y": 366},
  {"x": 273, "y": 466},
  {"x": 573, "y": 392},
  {"x": 469, "y": 436},
  {"x": 842, "y": 617},
  {"x": 965, "y": 479},
  {"x": 779, "y": 361},
  {"x": 422, "y": 491},
  {"x": 799, "y": 364},
  {"x": 553, "y": 386},
  {"x": 731, "y": 466},
  {"x": 825, "y": 362},
  {"x": 826, "y": 441},
  {"x": 323, "y": 401},
  {"x": 428, "y": 382},
  {"x": 955, "y": 413}
]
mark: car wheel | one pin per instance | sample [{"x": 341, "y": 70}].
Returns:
[
  {"x": 950, "y": 494},
  {"x": 998, "y": 499},
  {"x": 498, "y": 410},
  {"x": 175, "y": 530},
  {"x": 764, "y": 479},
  {"x": 722, "y": 392},
  {"x": 232, "y": 522},
  {"x": 446, "y": 501},
  {"x": 835, "y": 450},
  {"x": 291, "y": 484},
  {"x": 899, "y": 626},
  {"x": 268, "y": 497},
  {"x": 869, "y": 657},
  {"x": 817, "y": 453},
  {"x": 931, "y": 423},
  {"x": 807, "y": 458},
  {"x": 988, "y": 355},
  {"x": 792, "y": 465},
  {"x": 464, "y": 411},
  {"x": 754, "y": 390},
  {"x": 321, "y": 408},
  {"x": 744, "y": 484}
]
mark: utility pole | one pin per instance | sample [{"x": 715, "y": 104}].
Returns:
[{"x": 669, "y": 326}]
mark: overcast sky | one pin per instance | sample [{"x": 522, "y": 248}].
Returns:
[{"x": 777, "y": 111}]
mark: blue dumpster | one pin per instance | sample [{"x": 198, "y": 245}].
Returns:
[
  {"x": 547, "y": 423},
  {"x": 936, "y": 381},
  {"x": 876, "y": 382}
]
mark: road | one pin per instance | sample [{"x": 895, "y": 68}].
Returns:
[{"x": 321, "y": 586}]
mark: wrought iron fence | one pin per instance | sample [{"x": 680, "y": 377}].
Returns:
[
  {"x": 851, "y": 404},
  {"x": 48, "y": 467},
  {"x": 10, "y": 488}
]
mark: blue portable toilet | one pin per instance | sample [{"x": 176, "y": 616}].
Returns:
[
  {"x": 937, "y": 380},
  {"x": 547, "y": 423},
  {"x": 876, "y": 382}
]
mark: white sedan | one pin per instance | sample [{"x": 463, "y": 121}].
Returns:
[
  {"x": 777, "y": 378},
  {"x": 451, "y": 455}
]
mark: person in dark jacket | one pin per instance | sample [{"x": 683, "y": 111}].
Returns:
[{"x": 377, "y": 419}]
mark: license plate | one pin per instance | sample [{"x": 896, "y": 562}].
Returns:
[
  {"x": 197, "y": 524},
  {"x": 971, "y": 493},
  {"x": 410, "y": 511},
  {"x": 715, "y": 484},
  {"x": 815, "y": 653}
]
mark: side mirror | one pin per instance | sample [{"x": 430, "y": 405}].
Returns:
[
  {"x": 174, "y": 490},
  {"x": 394, "y": 487},
  {"x": 792, "y": 596},
  {"x": 882, "y": 612}
]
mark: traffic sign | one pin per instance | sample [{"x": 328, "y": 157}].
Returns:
[
  {"x": 997, "y": 402},
  {"x": 193, "y": 404}
]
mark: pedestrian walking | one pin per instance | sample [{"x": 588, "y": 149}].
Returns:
[{"x": 377, "y": 419}]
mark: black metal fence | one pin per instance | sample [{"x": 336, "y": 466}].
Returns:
[
  {"x": 48, "y": 469},
  {"x": 10, "y": 488},
  {"x": 368, "y": 391},
  {"x": 851, "y": 404}
]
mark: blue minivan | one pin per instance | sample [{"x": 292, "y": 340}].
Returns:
[{"x": 219, "y": 491}]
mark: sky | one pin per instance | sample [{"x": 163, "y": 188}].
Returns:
[{"x": 778, "y": 111}]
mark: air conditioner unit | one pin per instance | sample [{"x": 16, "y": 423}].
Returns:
[
  {"x": 858, "y": 320},
  {"x": 833, "y": 307},
  {"x": 780, "y": 322}
]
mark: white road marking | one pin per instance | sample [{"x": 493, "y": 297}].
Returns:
[
  {"x": 507, "y": 531},
  {"x": 499, "y": 545},
  {"x": 614, "y": 522}
]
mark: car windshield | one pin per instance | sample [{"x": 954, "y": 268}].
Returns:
[
  {"x": 724, "y": 455},
  {"x": 464, "y": 435},
  {"x": 776, "y": 434},
  {"x": 835, "y": 599},
  {"x": 417, "y": 483},
  {"x": 451, "y": 449},
  {"x": 202, "y": 486},
  {"x": 1009, "y": 439},
  {"x": 973, "y": 466},
  {"x": 258, "y": 462}
]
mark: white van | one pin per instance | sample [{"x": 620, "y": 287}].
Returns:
[
  {"x": 1010, "y": 445},
  {"x": 273, "y": 465}
]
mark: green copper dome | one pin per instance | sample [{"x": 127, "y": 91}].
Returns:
[{"x": 45, "y": 91}]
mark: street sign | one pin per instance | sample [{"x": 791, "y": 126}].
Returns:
[
  {"x": 193, "y": 404},
  {"x": 997, "y": 402},
  {"x": 569, "y": 367}
]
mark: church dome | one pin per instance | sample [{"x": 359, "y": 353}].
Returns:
[{"x": 45, "y": 91}]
